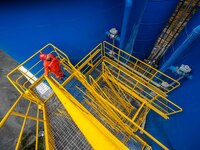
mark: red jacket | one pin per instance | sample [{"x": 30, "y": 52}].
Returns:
[{"x": 53, "y": 66}]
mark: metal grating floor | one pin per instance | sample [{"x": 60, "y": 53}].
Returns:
[{"x": 65, "y": 133}]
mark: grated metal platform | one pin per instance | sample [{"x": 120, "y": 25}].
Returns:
[{"x": 66, "y": 135}]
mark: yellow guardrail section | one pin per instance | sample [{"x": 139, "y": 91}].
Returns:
[
  {"x": 22, "y": 83},
  {"x": 97, "y": 135},
  {"x": 155, "y": 101},
  {"x": 25, "y": 116},
  {"x": 142, "y": 69}
]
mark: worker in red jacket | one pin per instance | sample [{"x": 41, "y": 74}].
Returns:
[{"x": 52, "y": 64}]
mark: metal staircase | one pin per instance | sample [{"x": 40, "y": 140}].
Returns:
[{"x": 102, "y": 103}]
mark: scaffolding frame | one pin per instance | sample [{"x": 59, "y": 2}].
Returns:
[{"x": 100, "y": 77}]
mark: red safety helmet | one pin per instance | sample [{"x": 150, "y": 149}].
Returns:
[{"x": 43, "y": 56}]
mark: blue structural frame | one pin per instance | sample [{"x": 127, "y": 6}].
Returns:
[
  {"x": 147, "y": 20},
  {"x": 127, "y": 13}
]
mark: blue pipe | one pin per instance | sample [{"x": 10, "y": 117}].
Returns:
[
  {"x": 127, "y": 12},
  {"x": 116, "y": 38},
  {"x": 195, "y": 34},
  {"x": 173, "y": 68}
]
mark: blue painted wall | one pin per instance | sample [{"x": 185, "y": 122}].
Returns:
[
  {"x": 75, "y": 26},
  {"x": 155, "y": 17},
  {"x": 182, "y": 131}
]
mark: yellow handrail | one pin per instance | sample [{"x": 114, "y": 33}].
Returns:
[{"x": 105, "y": 47}]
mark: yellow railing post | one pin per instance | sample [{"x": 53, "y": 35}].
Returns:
[{"x": 10, "y": 111}]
